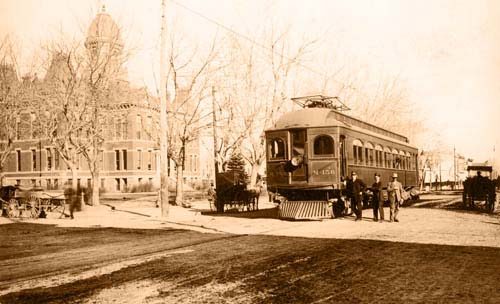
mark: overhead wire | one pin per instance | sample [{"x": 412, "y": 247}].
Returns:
[{"x": 253, "y": 41}]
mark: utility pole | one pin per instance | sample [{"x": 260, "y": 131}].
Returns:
[
  {"x": 216, "y": 158},
  {"x": 163, "y": 114},
  {"x": 440, "y": 181},
  {"x": 214, "y": 127},
  {"x": 454, "y": 168}
]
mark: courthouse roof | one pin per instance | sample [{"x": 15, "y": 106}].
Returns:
[{"x": 103, "y": 28}]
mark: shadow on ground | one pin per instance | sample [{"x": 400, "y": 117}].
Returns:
[{"x": 271, "y": 213}]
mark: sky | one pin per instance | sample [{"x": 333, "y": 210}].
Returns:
[{"x": 446, "y": 52}]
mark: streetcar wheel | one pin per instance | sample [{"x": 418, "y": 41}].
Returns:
[{"x": 35, "y": 212}]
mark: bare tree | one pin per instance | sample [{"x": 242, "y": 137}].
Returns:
[
  {"x": 10, "y": 92},
  {"x": 228, "y": 133},
  {"x": 84, "y": 95},
  {"x": 103, "y": 86},
  {"x": 189, "y": 74},
  {"x": 63, "y": 97},
  {"x": 264, "y": 72},
  {"x": 19, "y": 103}
]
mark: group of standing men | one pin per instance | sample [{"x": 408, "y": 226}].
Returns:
[{"x": 356, "y": 187}]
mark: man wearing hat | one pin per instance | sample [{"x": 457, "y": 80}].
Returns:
[
  {"x": 355, "y": 188},
  {"x": 377, "y": 200},
  {"x": 394, "y": 189}
]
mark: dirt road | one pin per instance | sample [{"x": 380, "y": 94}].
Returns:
[
  {"x": 49, "y": 264},
  {"x": 187, "y": 267}
]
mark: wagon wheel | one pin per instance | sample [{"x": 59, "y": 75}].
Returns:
[
  {"x": 33, "y": 205},
  {"x": 12, "y": 208},
  {"x": 36, "y": 208},
  {"x": 35, "y": 211}
]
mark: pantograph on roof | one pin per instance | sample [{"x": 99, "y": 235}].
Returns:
[{"x": 321, "y": 101}]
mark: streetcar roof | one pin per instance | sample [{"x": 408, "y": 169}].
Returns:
[
  {"x": 321, "y": 117},
  {"x": 309, "y": 117}
]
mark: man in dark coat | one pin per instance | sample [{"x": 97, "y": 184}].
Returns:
[
  {"x": 377, "y": 200},
  {"x": 355, "y": 188}
]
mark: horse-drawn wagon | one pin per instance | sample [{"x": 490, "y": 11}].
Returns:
[
  {"x": 232, "y": 193},
  {"x": 479, "y": 189},
  {"x": 17, "y": 202}
]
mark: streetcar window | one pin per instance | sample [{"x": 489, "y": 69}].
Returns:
[
  {"x": 408, "y": 161},
  {"x": 388, "y": 158},
  {"x": 402, "y": 161},
  {"x": 323, "y": 145},
  {"x": 378, "y": 156},
  {"x": 369, "y": 154},
  {"x": 276, "y": 148},
  {"x": 395, "y": 159},
  {"x": 357, "y": 151},
  {"x": 397, "y": 162}
]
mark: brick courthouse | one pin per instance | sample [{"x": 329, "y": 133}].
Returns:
[{"x": 129, "y": 155}]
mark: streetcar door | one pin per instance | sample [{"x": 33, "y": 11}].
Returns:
[
  {"x": 298, "y": 154},
  {"x": 343, "y": 161}
]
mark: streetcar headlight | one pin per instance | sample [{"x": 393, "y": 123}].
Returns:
[{"x": 297, "y": 161}]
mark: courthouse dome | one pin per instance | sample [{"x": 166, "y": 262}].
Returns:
[{"x": 103, "y": 28}]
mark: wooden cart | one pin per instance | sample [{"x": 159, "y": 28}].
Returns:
[{"x": 17, "y": 202}]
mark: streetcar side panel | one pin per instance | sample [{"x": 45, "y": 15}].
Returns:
[{"x": 368, "y": 154}]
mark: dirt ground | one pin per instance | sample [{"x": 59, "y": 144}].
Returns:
[{"x": 436, "y": 254}]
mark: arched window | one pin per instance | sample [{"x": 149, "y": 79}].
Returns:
[
  {"x": 118, "y": 125},
  {"x": 124, "y": 127},
  {"x": 276, "y": 148},
  {"x": 395, "y": 159},
  {"x": 409, "y": 162},
  {"x": 138, "y": 126},
  {"x": 402, "y": 160},
  {"x": 357, "y": 151},
  {"x": 379, "y": 161},
  {"x": 33, "y": 130},
  {"x": 323, "y": 145},
  {"x": 18, "y": 127},
  {"x": 369, "y": 157},
  {"x": 388, "y": 157}
]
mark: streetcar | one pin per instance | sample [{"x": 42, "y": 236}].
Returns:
[{"x": 312, "y": 151}]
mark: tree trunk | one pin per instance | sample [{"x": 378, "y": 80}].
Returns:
[
  {"x": 74, "y": 177},
  {"x": 253, "y": 175},
  {"x": 95, "y": 189},
  {"x": 2, "y": 177},
  {"x": 74, "y": 182},
  {"x": 179, "y": 187}
]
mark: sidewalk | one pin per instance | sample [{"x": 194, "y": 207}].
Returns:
[{"x": 419, "y": 225}]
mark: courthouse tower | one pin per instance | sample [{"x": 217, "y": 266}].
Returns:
[{"x": 105, "y": 47}]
